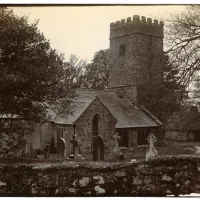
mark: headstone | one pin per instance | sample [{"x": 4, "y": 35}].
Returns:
[
  {"x": 74, "y": 143},
  {"x": 77, "y": 156},
  {"x": 61, "y": 148},
  {"x": 151, "y": 153},
  {"x": 46, "y": 151},
  {"x": 27, "y": 148},
  {"x": 117, "y": 139}
]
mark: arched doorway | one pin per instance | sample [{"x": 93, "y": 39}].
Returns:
[{"x": 97, "y": 142}]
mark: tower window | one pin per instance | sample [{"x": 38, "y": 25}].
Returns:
[{"x": 122, "y": 49}]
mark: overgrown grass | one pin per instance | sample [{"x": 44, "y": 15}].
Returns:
[{"x": 168, "y": 148}]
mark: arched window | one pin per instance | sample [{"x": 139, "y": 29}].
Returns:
[
  {"x": 122, "y": 50},
  {"x": 95, "y": 125}
]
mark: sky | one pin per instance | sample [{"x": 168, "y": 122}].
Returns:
[{"x": 84, "y": 30}]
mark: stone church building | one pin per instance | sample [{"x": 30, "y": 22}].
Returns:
[{"x": 136, "y": 53}]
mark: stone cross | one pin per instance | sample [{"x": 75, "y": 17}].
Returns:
[
  {"x": 117, "y": 138},
  {"x": 151, "y": 153},
  {"x": 76, "y": 156},
  {"x": 75, "y": 144},
  {"x": 27, "y": 148},
  {"x": 151, "y": 140}
]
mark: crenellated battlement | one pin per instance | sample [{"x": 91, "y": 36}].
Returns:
[{"x": 136, "y": 24}]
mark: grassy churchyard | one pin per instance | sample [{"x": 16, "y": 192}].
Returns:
[{"x": 138, "y": 153}]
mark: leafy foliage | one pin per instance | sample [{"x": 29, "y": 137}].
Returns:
[
  {"x": 31, "y": 72},
  {"x": 12, "y": 137},
  {"x": 96, "y": 73},
  {"x": 166, "y": 98}
]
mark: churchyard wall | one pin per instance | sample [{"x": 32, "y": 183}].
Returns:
[{"x": 159, "y": 177}]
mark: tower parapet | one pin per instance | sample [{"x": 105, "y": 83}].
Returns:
[{"x": 136, "y": 25}]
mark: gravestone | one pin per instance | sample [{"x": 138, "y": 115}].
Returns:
[
  {"x": 46, "y": 151},
  {"x": 98, "y": 148},
  {"x": 117, "y": 139},
  {"x": 61, "y": 148},
  {"x": 27, "y": 148},
  {"x": 74, "y": 143},
  {"x": 151, "y": 153},
  {"x": 77, "y": 156}
]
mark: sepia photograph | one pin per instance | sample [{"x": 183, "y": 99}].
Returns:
[{"x": 99, "y": 100}]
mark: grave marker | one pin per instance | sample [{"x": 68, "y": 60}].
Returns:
[
  {"x": 151, "y": 153},
  {"x": 117, "y": 138},
  {"x": 76, "y": 156},
  {"x": 61, "y": 148}
]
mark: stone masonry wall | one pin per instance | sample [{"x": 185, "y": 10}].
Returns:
[
  {"x": 135, "y": 67},
  {"x": 84, "y": 127},
  {"x": 142, "y": 61},
  {"x": 159, "y": 177},
  {"x": 143, "y": 56}
]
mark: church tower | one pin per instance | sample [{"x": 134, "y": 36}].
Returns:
[{"x": 136, "y": 55}]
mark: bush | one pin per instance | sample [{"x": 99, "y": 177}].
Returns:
[
  {"x": 39, "y": 151},
  {"x": 12, "y": 140}
]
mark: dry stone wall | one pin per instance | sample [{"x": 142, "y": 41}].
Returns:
[{"x": 159, "y": 177}]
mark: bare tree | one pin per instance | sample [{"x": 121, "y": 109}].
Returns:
[
  {"x": 74, "y": 71},
  {"x": 183, "y": 42}
]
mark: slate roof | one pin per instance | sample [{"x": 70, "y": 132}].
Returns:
[
  {"x": 127, "y": 115},
  {"x": 187, "y": 121}
]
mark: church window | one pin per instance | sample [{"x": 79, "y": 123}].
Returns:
[
  {"x": 95, "y": 125},
  {"x": 142, "y": 137},
  {"x": 60, "y": 133},
  {"x": 124, "y": 140},
  {"x": 122, "y": 50}
]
